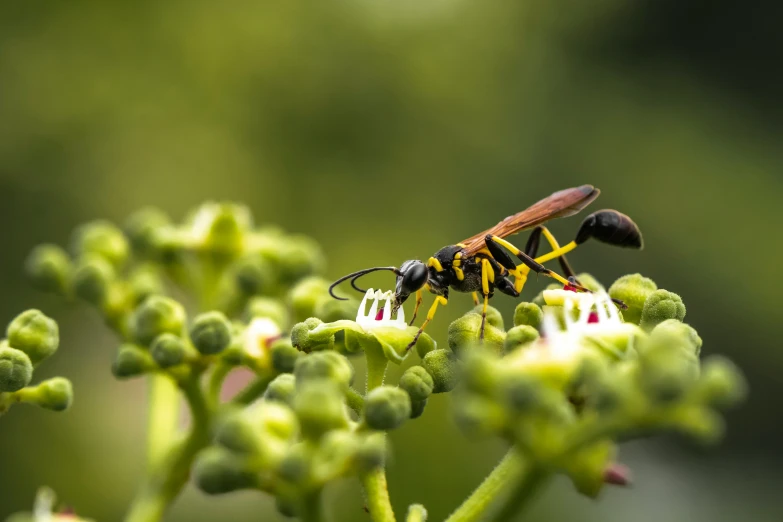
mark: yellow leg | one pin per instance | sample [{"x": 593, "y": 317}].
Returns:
[
  {"x": 476, "y": 300},
  {"x": 487, "y": 276},
  {"x": 439, "y": 300},
  {"x": 521, "y": 273},
  {"x": 416, "y": 308}
]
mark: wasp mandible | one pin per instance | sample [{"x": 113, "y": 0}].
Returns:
[{"x": 481, "y": 264}]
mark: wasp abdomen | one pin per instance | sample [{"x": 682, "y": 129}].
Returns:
[{"x": 612, "y": 227}]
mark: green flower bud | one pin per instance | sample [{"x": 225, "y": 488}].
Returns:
[
  {"x": 49, "y": 268},
  {"x": 221, "y": 227},
  {"x": 443, "y": 368},
  {"x": 16, "y": 370},
  {"x": 324, "y": 365},
  {"x": 281, "y": 389},
  {"x": 285, "y": 507},
  {"x": 54, "y": 394},
  {"x": 331, "y": 310},
  {"x": 295, "y": 465},
  {"x": 254, "y": 275},
  {"x": 416, "y": 513},
  {"x": 269, "y": 308},
  {"x": 479, "y": 416},
  {"x": 218, "y": 471},
  {"x": 284, "y": 355},
  {"x": 674, "y": 331},
  {"x": 145, "y": 282},
  {"x": 465, "y": 331},
  {"x": 307, "y": 295},
  {"x": 92, "y": 279},
  {"x": 386, "y": 408},
  {"x": 34, "y": 334},
  {"x": 529, "y": 314},
  {"x": 522, "y": 393},
  {"x": 425, "y": 345},
  {"x": 494, "y": 317},
  {"x": 210, "y": 333},
  {"x": 302, "y": 338},
  {"x": 103, "y": 239},
  {"x": 168, "y": 350},
  {"x": 156, "y": 315},
  {"x": 668, "y": 367},
  {"x": 142, "y": 229},
  {"x": 334, "y": 456},
  {"x": 721, "y": 384},
  {"x": 320, "y": 407},
  {"x": 372, "y": 453},
  {"x": 132, "y": 361},
  {"x": 659, "y": 306},
  {"x": 633, "y": 290},
  {"x": 417, "y": 408},
  {"x": 520, "y": 336},
  {"x": 300, "y": 256},
  {"x": 417, "y": 382}
]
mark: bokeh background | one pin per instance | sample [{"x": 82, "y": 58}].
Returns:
[{"x": 385, "y": 130}]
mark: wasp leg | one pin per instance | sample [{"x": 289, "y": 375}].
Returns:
[
  {"x": 439, "y": 300},
  {"x": 416, "y": 308},
  {"x": 487, "y": 277},
  {"x": 476, "y": 299},
  {"x": 532, "y": 264},
  {"x": 531, "y": 249}
]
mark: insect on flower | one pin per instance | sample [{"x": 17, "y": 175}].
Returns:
[{"x": 481, "y": 264}]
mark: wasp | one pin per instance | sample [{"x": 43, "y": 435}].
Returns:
[{"x": 483, "y": 263}]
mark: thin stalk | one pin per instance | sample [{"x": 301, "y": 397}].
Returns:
[
  {"x": 508, "y": 470},
  {"x": 162, "y": 416},
  {"x": 521, "y": 494},
  {"x": 376, "y": 493},
  {"x": 311, "y": 508},
  {"x": 253, "y": 390},
  {"x": 171, "y": 475},
  {"x": 355, "y": 400}
]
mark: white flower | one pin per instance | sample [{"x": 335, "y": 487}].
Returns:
[
  {"x": 371, "y": 319},
  {"x": 258, "y": 335}
]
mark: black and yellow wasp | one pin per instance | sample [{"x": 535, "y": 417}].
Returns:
[{"x": 482, "y": 264}]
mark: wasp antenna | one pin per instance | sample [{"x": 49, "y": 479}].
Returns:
[{"x": 355, "y": 275}]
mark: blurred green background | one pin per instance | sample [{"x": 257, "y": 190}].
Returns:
[{"x": 385, "y": 130}]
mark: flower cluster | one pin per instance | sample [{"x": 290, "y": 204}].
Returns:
[
  {"x": 577, "y": 375},
  {"x": 31, "y": 338}
]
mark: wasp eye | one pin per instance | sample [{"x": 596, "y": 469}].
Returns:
[{"x": 415, "y": 276}]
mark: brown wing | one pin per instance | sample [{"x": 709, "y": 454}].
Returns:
[{"x": 560, "y": 204}]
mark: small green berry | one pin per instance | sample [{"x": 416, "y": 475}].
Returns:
[
  {"x": 54, "y": 394},
  {"x": 465, "y": 332},
  {"x": 143, "y": 227},
  {"x": 281, "y": 389},
  {"x": 92, "y": 278},
  {"x": 35, "y": 334},
  {"x": 386, "y": 408},
  {"x": 217, "y": 471},
  {"x": 520, "y": 336},
  {"x": 417, "y": 382},
  {"x": 132, "y": 361},
  {"x": 284, "y": 355},
  {"x": 210, "y": 333},
  {"x": 154, "y": 316},
  {"x": 254, "y": 275},
  {"x": 307, "y": 295},
  {"x": 443, "y": 367},
  {"x": 269, "y": 308},
  {"x": 49, "y": 268},
  {"x": 417, "y": 408},
  {"x": 103, "y": 239},
  {"x": 372, "y": 453},
  {"x": 494, "y": 317},
  {"x": 659, "y": 306},
  {"x": 722, "y": 383},
  {"x": 168, "y": 350},
  {"x": 16, "y": 370},
  {"x": 633, "y": 290},
  {"x": 674, "y": 331},
  {"x": 320, "y": 407},
  {"x": 529, "y": 314},
  {"x": 324, "y": 365}
]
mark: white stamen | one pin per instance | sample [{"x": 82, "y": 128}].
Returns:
[{"x": 368, "y": 321}]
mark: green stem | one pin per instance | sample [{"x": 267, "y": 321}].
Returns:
[
  {"x": 522, "y": 493},
  {"x": 311, "y": 508},
  {"x": 355, "y": 400},
  {"x": 170, "y": 476},
  {"x": 215, "y": 385},
  {"x": 374, "y": 483},
  {"x": 162, "y": 415},
  {"x": 509, "y": 470},
  {"x": 253, "y": 390},
  {"x": 376, "y": 493}
]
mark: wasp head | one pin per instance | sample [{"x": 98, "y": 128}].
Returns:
[{"x": 412, "y": 276}]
